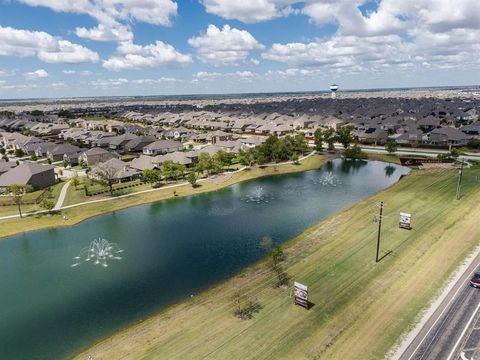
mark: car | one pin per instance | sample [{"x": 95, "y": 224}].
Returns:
[{"x": 475, "y": 280}]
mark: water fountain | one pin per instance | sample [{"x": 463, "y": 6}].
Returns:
[
  {"x": 257, "y": 196},
  {"x": 99, "y": 252},
  {"x": 328, "y": 179}
]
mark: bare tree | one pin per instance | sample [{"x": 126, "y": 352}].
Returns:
[
  {"x": 107, "y": 174},
  {"x": 18, "y": 191}
]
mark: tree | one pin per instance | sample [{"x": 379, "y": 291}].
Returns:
[
  {"x": 245, "y": 158},
  {"x": 107, "y": 174},
  {"x": 18, "y": 191},
  {"x": 75, "y": 181},
  {"x": 355, "y": 152},
  {"x": 329, "y": 137},
  {"x": 455, "y": 153},
  {"x": 2, "y": 151},
  {"x": 192, "y": 179},
  {"x": 223, "y": 159},
  {"x": 318, "y": 135},
  {"x": 345, "y": 136},
  {"x": 47, "y": 205},
  {"x": 19, "y": 153},
  {"x": 276, "y": 257},
  {"x": 172, "y": 170},
  {"x": 295, "y": 159},
  {"x": 151, "y": 176},
  {"x": 205, "y": 163},
  {"x": 391, "y": 146},
  {"x": 34, "y": 157}
]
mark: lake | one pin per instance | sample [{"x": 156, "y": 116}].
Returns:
[{"x": 171, "y": 249}]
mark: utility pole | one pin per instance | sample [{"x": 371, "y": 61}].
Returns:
[
  {"x": 459, "y": 183},
  {"x": 379, "y": 230}
]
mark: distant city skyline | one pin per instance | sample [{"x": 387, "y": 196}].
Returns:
[{"x": 57, "y": 48}]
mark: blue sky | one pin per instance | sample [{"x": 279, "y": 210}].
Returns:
[{"x": 55, "y": 48}]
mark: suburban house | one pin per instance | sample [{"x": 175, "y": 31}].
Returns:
[
  {"x": 121, "y": 170},
  {"x": 36, "y": 175},
  {"x": 94, "y": 156},
  {"x": 139, "y": 143},
  {"x": 162, "y": 147},
  {"x": 6, "y": 165},
  {"x": 219, "y": 135},
  {"x": 57, "y": 153},
  {"x": 448, "y": 136},
  {"x": 143, "y": 162},
  {"x": 184, "y": 158}
]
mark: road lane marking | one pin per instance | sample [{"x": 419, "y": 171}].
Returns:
[
  {"x": 463, "y": 332},
  {"x": 442, "y": 312}
]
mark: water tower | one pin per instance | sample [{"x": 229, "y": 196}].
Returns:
[{"x": 333, "y": 89}]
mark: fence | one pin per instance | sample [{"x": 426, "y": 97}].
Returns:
[{"x": 94, "y": 190}]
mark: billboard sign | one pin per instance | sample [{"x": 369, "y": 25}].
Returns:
[
  {"x": 420, "y": 162},
  {"x": 301, "y": 294},
  {"x": 405, "y": 221}
]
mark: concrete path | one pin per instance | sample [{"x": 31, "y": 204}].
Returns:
[{"x": 61, "y": 197}]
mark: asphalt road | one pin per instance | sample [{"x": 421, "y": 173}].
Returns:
[{"x": 453, "y": 331}]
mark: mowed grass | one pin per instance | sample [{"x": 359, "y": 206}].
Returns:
[
  {"x": 13, "y": 210},
  {"x": 360, "y": 308},
  {"x": 80, "y": 213}
]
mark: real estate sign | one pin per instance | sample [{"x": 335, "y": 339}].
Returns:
[
  {"x": 405, "y": 221},
  {"x": 301, "y": 294}
]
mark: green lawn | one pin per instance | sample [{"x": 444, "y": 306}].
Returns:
[
  {"x": 360, "y": 308},
  {"x": 11, "y": 210}
]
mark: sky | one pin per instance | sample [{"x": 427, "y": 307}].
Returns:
[{"x": 73, "y": 48}]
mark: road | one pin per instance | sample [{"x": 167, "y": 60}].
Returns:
[
  {"x": 406, "y": 152},
  {"x": 453, "y": 330}
]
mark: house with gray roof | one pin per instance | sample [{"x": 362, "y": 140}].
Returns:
[
  {"x": 162, "y": 147},
  {"x": 139, "y": 143},
  {"x": 122, "y": 171},
  {"x": 36, "y": 175},
  {"x": 448, "y": 136},
  {"x": 6, "y": 165},
  {"x": 57, "y": 153},
  {"x": 94, "y": 156}
]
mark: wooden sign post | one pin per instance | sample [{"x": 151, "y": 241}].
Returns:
[{"x": 301, "y": 294}]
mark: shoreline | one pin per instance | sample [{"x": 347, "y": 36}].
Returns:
[
  {"x": 138, "y": 337},
  {"x": 77, "y": 213},
  {"x": 250, "y": 269}
]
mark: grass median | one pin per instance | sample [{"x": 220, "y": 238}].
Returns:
[{"x": 360, "y": 308}]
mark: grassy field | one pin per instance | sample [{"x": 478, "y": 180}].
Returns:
[
  {"x": 12, "y": 210},
  {"x": 77, "y": 214},
  {"x": 360, "y": 308}
]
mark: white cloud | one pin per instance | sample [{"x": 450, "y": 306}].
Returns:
[
  {"x": 132, "y": 56},
  {"x": 37, "y": 74},
  {"x": 113, "y": 16},
  {"x": 162, "y": 80},
  {"x": 249, "y": 11},
  {"x": 227, "y": 46},
  {"x": 403, "y": 35},
  {"x": 16, "y": 42},
  {"x": 6, "y": 73},
  {"x": 244, "y": 76},
  {"x": 76, "y": 72},
  {"x": 109, "y": 83},
  {"x": 101, "y": 32}
]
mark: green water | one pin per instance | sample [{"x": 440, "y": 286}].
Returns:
[{"x": 174, "y": 248}]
